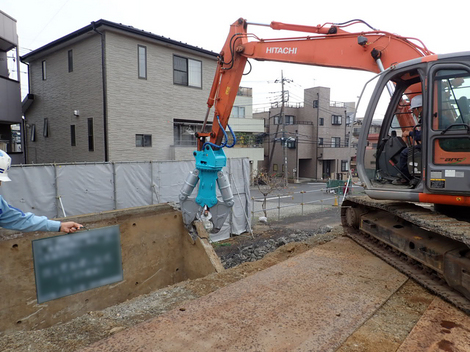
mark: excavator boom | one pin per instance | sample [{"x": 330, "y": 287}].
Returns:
[{"x": 331, "y": 46}]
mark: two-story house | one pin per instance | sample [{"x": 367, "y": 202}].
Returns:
[{"x": 110, "y": 92}]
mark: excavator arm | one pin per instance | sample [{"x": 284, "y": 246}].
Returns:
[{"x": 329, "y": 45}]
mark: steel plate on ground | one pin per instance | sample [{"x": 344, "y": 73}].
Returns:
[{"x": 312, "y": 301}]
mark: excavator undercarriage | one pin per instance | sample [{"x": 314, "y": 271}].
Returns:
[{"x": 431, "y": 248}]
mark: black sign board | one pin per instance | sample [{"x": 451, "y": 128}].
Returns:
[{"x": 68, "y": 264}]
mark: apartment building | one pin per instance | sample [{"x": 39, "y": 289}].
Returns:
[
  {"x": 110, "y": 92},
  {"x": 313, "y": 139},
  {"x": 11, "y": 122}
]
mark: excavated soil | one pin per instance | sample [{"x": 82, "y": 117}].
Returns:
[{"x": 244, "y": 255}]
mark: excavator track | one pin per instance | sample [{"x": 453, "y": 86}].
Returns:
[{"x": 431, "y": 248}]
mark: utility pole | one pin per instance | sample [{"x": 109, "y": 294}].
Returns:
[
  {"x": 317, "y": 145},
  {"x": 282, "y": 116}
]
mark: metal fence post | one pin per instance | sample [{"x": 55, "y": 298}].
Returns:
[
  {"x": 279, "y": 207},
  {"x": 114, "y": 185},
  {"x": 252, "y": 209},
  {"x": 57, "y": 196}
]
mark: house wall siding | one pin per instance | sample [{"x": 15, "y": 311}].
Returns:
[
  {"x": 148, "y": 106},
  {"x": 58, "y": 96}
]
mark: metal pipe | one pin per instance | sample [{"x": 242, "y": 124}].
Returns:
[
  {"x": 62, "y": 206},
  {"x": 105, "y": 97},
  {"x": 390, "y": 86}
]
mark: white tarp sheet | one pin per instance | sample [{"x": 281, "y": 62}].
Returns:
[
  {"x": 83, "y": 188},
  {"x": 32, "y": 189},
  {"x": 133, "y": 185}
]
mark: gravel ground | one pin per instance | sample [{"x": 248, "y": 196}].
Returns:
[{"x": 243, "y": 255}]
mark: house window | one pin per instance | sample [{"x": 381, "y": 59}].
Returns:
[
  {"x": 91, "y": 144},
  {"x": 142, "y": 61},
  {"x": 238, "y": 111},
  {"x": 45, "y": 129},
  {"x": 16, "y": 138},
  {"x": 44, "y": 76},
  {"x": 320, "y": 141},
  {"x": 33, "y": 133},
  {"x": 275, "y": 168},
  {"x": 315, "y": 104},
  {"x": 289, "y": 119},
  {"x": 322, "y": 121},
  {"x": 73, "y": 141},
  {"x": 344, "y": 166},
  {"x": 187, "y": 72},
  {"x": 143, "y": 140},
  {"x": 335, "y": 142},
  {"x": 70, "y": 60},
  {"x": 336, "y": 119},
  {"x": 184, "y": 131}
]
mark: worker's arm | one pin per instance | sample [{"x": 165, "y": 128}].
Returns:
[{"x": 14, "y": 219}]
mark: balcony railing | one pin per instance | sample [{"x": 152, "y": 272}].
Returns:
[{"x": 333, "y": 145}]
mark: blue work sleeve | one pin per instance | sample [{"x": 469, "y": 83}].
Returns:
[{"x": 14, "y": 219}]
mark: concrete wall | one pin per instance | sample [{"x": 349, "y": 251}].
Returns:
[{"x": 157, "y": 251}]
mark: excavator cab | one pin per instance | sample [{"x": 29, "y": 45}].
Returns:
[{"x": 438, "y": 162}]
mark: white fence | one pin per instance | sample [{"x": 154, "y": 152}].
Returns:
[{"x": 59, "y": 190}]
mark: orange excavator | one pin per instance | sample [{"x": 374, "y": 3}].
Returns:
[{"x": 418, "y": 189}]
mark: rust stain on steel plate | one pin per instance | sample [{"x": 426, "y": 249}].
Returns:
[
  {"x": 313, "y": 301},
  {"x": 442, "y": 328}
]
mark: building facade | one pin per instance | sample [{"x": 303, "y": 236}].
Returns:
[
  {"x": 109, "y": 92},
  {"x": 11, "y": 122},
  {"x": 312, "y": 140}
]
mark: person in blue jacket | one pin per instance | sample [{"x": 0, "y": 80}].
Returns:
[{"x": 14, "y": 219}]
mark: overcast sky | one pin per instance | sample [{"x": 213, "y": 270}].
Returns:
[{"x": 205, "y": 23}]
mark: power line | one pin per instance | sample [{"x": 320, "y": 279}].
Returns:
[{"x": 49, "y": 22}]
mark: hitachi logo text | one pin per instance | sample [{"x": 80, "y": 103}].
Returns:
[{"x": 279, "y": 50}]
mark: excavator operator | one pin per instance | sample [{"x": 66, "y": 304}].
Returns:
[{"x": 405, "y": 176}]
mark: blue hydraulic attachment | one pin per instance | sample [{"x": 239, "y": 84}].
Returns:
[{"x": 208, "y": 173}]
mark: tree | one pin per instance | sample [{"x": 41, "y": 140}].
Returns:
[{"x": 267, "y": 183}]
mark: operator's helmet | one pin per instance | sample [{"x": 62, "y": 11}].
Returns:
[
  {"x": 5, "y": 163},
  {"x": 416, "y": 102}
]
